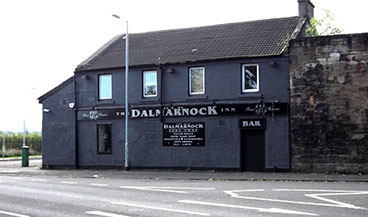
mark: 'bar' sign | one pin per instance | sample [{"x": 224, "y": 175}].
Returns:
[{"x": 253, "y": 123}]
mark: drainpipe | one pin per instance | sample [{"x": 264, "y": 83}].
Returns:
[
  {"x": 76, "y": 166},
  {"x": 161, "y": 91}
]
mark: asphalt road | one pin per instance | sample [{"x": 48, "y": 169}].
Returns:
[{"x": 61, "y": 194}]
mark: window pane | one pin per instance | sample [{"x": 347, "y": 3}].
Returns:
[
  {"x": 250, "y": 78},
  {"x": 150, "y": 83},
  {"x": 105, "y": 87},
  {"x": 196, "y": 80},
  {"x": 104, "y": 139}
]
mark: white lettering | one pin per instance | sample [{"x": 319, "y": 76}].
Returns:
[
  {"x": 144, "y": 113},
  {"x": 202, "y": 111},
  {"x": 193, "y": 111},
  {"x": 169, "y": 113},
  {"x": 177, "y": 112},
  {"x": 212, "y": 110},
  {"x": 135, "y": 113},
  {"x": 185, "y": 111},
  {"x": 158, "y": 112}
]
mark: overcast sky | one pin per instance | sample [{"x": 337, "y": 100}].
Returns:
[{"x": 42, "y": 41}]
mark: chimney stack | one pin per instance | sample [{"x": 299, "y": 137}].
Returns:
[{"x": 306, "y": 9}]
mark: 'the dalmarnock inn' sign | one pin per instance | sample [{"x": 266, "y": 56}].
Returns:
[{"x": 259, "y": 109}]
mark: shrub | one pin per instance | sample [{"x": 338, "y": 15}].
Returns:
[{"x": 14, "y": 143}]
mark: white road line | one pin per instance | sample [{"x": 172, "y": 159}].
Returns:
[
  {"x": 12, "y": 214},
  {"x": 313, "y": 190},
  {"x": 101, "y": 185},
  {"x": 161, "y": 208},
  {"x": 38, "y": 180},
  {"x": 336, "y": 193},
  {"x": 18, "y": 178},
  {"x": 100, "y": 213},
  {"x": 268, "y": 210},
  {"x": 69, "y": 183},
  {"x": 332, "y": 203},
  {"x": 153, "y": 189},
  {"x": 165, "y": 189}
]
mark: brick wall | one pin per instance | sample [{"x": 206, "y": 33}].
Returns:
[{"x": 329, "y": 104}]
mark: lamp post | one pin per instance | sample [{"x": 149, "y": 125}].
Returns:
[{"x": 126, "y": 94}]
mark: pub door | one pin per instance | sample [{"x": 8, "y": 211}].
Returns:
[{"x": 252, "y": 150}]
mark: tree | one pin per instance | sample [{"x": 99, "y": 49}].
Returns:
[{"x": 319, "y": 27}]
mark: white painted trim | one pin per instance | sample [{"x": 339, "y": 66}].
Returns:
[
  {"x": 243, "y": 79},
  {"x": 99, "y": 87},
  {"x": 144, "y": 84},
  {"x": 190, "y": 81}
]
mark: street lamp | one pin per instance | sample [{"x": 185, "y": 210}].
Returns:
[{"x": 126, "y": 93}]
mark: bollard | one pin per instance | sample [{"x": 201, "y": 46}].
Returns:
[{"x": 25, "y": 156}]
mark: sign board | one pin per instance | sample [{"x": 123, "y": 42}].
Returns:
[
  {"x": 183, "y": 134},
  {"x": 212, "y": 110},
  {"x": 253, "y": 124}
]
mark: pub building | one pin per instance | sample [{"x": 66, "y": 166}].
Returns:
[{"x": 212, "y": 97}]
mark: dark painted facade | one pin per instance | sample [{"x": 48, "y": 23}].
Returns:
[
  {"x": 238, "y": 121},
  {"x": 223, "y": 133}
]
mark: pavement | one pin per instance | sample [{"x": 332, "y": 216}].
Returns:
[{"x": 13, "y": 167}]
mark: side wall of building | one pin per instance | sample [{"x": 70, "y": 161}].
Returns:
[
  {"x": 58, "y": 129},
  {"x": 329, "y": 103}
]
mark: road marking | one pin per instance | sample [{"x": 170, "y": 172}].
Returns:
[
  {"x": 331, "y": 203},
  {"x": 100, "y": 213},
  {"x": 178, "y": 190},
  {"x": 336, "y": 193},
  {"x": 161, "y": 208},
  {"x": 101, "y": 185},
  {"x": 12, "y": 214},
  {"x": 38, "y": 180},
  {"x": 268, "y": 210},
  {"x": 69, "y": 183},
  {"x": 17, "y": 178}
]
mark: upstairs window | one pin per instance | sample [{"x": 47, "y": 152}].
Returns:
[
  {"x": 104, "y": 138},
  {"x": 149, "y": 83},
  {"x": 104, "y": 87},
  {"x": 250, "y": 78},
  {"x": 196, "y": 80}
]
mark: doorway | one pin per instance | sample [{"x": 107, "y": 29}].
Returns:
[{"x": 252, "y": 150}]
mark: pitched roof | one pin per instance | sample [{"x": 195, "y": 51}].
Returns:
[
  {"x": 55, "y": 89},
  {"x": 224, "y": 41}
]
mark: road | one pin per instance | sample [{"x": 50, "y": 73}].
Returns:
[
  {"x": 33, "y": 192},
  {"x": 57, "y": 196}
]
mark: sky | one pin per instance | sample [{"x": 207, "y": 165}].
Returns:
[{"x": 43, "y": 41}]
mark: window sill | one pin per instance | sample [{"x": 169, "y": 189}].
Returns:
[
  {"x": 196, "y": 97},
  {"x": 150, "y": 99},
  {"x": 105, "y": 101},
  {"x": 250, "y": 95}
]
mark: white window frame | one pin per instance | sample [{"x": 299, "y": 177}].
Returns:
[
  {"x": 243, "y": 79},
  {"x": 144, "y": 84},
  {"x": 100, "y": 85},
  {"x": 190, "y": 81}
]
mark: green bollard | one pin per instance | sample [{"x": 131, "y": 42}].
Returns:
[{"x": 25, "y": 156}]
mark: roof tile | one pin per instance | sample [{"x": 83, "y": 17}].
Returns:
[{"x": 234, "y": 40}]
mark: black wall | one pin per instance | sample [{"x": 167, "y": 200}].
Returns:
[
  {"x": 58, "y": 129},
  {"x": 222, "y": 133}
]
